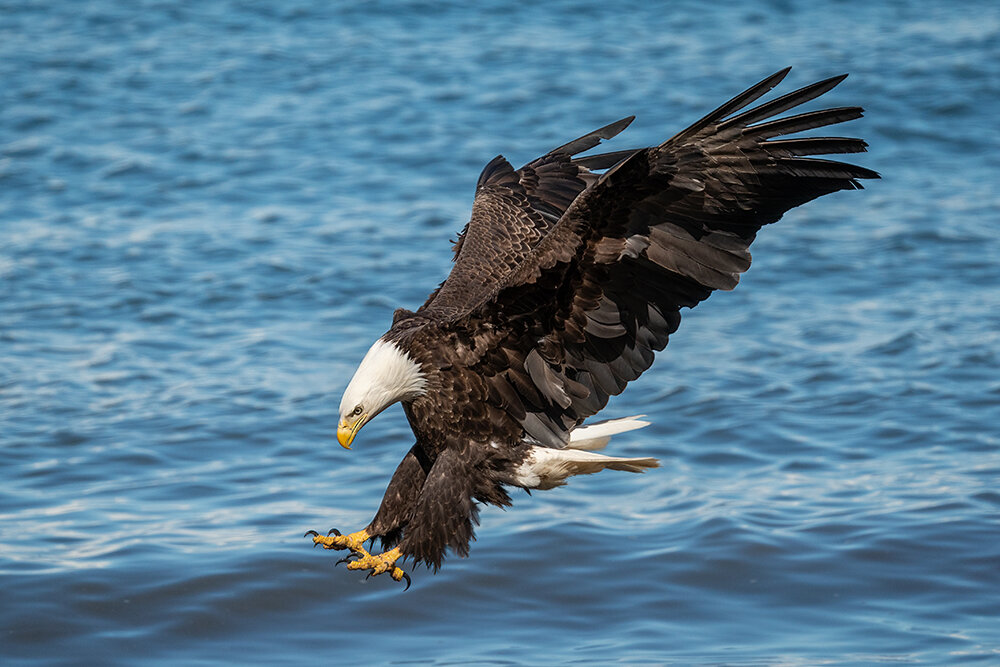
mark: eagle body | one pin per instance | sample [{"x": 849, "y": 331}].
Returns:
[{"x": 568, "y": 278}]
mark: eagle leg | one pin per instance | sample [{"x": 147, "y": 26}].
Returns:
[
  {"x": 334, "y": 540},
  {"x": 384, "y": 562}
]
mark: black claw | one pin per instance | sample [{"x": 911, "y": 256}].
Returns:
[
  {"x": 407, "y": 577},
  {"x": 346, "y": 559},
  {"x": 369, "y": 576},
  {"x": 311, "y": 532},
  {"x": 333, "y": 531}
]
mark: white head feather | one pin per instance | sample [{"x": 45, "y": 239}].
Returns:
[{"x": 386, "y": 375}]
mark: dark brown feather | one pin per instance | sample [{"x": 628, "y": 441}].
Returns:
[
  {"x": 400, "y": 497},
  {"x": 513, "y": 211}
]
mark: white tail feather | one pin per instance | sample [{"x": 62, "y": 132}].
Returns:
[
  {"x": 596, "y": 436},
  {"x": 546, "y": 468}
]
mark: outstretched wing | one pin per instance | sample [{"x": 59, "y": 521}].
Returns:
[
  {"x": 584, "y": 312},
  {"x": 512, "y": 212}
]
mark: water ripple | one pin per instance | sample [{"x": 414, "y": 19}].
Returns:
[{"x": 207, "y": 211}]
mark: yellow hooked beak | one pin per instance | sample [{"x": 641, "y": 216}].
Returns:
[{"x": 346, "y": 430}]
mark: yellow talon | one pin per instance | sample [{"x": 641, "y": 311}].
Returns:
[
  {"x": 355, "y": 542},
  {"x": 378, "y": 564},
  {"x": 385, "y": 562}
]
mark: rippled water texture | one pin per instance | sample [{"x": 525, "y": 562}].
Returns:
[{"x": 209, "y": 210}]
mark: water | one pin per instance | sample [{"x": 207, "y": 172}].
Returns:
[{"x": 207, "y": 212}]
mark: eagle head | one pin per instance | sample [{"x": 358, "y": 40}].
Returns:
[{"x": 386, "y": 375}]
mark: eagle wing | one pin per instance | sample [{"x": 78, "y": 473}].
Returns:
[
  {"x": 583, "y": 312},
  {"x": 512, "y": 211}
]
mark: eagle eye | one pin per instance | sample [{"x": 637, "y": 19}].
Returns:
[{"x": 357, "y": 411}]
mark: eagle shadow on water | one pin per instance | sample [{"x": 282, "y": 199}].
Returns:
[{"x": 569, "y": 276}]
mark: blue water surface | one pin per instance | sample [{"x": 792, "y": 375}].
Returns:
[{"x": 209, "y": 210}]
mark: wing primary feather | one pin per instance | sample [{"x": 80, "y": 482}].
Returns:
[
  {"x": 748, "y": 96},
  {"x": 816, "y": 167},
  {"x": 805, "y": 121},
  {"x": 814, "y": 146},
  {"x": 783, "y": 103},
  {"x": 588, "y": 141}
]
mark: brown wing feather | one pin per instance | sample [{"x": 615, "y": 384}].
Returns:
[
  {"x": 585, "y": 311},
  {"x": 512, "y": 211}
]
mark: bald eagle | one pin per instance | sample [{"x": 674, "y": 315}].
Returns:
[{"x": 568, "y": 277}]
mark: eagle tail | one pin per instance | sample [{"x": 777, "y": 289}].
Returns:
[
  {"x": 546, "y": 468},
  {"x": 595, "y": 436}
]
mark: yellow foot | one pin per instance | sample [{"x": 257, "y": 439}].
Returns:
[
  {"x": 334, "y": 540},
  {"x": 385, "y": 562}
]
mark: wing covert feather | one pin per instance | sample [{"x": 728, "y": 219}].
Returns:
[{"x": 512, "y": 211}]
